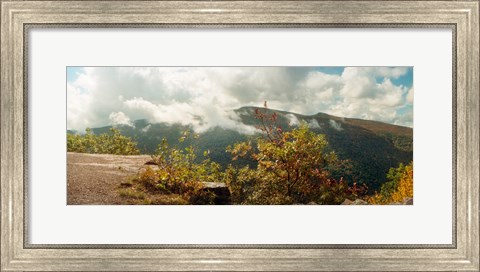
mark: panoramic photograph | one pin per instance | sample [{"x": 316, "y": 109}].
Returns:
[{"x": 239, "y": 135}]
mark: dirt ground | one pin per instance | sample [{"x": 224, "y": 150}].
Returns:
[{"x": 95, "y": 178}]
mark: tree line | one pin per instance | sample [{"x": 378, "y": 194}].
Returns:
[{"x": 292, "y": 167}]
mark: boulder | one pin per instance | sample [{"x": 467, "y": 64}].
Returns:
[
  {"x": 150, "y": 162},
  {"x": 355, "y": 202},
  {"x": 220, "y": 189},
  {"x": 359, "y": 202}
]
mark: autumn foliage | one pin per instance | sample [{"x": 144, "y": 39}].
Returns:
[
  {"x": 398, "y": 187},
  {"x": 176, "y": 173},
  {"x": 291, "y": 168}
]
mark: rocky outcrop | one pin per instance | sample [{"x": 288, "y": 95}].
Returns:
[
  {"x": 406, "y": 201},
  {"x": 220, "y": 189},
  {"x": 360, "y": 202},
  {"x": 355, "y": 202}
]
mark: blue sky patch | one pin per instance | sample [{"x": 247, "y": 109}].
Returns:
[{"x": 73, "y": 72}]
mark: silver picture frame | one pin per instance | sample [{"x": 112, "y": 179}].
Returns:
[{"x": 18, "y": 17}]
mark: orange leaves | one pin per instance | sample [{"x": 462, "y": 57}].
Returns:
[
  {"x": 402, "y": 179},
  {"x": 405, "y": 186},
  {"x": 179, "y": 174},
  {"x": 291, "y": 168},
  {"x": 240, "y": 150}
]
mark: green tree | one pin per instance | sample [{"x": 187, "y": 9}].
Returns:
[
  {"x": 291, "y": 168},
  {"x": 177, "y": 173},
  {"x": 106, "y": 143},
  {"x": 399, "y": 185}
]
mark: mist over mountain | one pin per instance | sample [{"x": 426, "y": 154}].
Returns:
[{"x": 371, "y": 147}]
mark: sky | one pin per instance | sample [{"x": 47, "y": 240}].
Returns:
[{"x": 205, "y": 97}]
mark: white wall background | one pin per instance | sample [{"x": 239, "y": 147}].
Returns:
[{"x": 428, "y": 221}]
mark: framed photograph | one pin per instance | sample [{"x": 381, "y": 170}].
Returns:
[
  {"x": 157, "y": 126},
  {"x": 240, "y": 136}
]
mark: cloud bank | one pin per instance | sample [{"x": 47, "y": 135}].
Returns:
[{"x": 204, "y": 97}]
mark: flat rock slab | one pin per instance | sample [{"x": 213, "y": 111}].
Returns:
[{"x": 95, "y": 178}]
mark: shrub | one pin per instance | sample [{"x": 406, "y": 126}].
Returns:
[
  {"x": 106, "y": 143},
  {"x": 291, "y": 168},
  {"x": 177, "y": 173},
  {"x": 398, "y": 187},
  {"x": 129, "y": 193}
]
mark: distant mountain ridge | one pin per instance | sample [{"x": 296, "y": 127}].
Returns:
[{"x": 371, "y": 146}]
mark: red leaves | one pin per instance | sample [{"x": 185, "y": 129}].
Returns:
[
  {"x": 274, "y": 117},
  {"x": 268, "y": 125}
]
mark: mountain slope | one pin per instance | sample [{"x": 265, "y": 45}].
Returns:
[{"x": 371, "y": 147}]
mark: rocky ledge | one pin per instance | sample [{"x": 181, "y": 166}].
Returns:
[{"x": 406, "y": 201}]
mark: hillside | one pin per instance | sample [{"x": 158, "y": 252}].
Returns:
[{"x": 371, "y": 147}]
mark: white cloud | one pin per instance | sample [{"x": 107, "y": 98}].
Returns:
[
  {"x": 146, "y": 128},
  {"x": 335, "y": 125},
  {"x": 200, "y": 118},
  {"x": 79, "y": 115},
  {"x": 313, "y": 124},
  {"x": 390, "y": 72},
  {"x": 405, "y": 119},
  {"x": 410, "y": 96},
  {"x": 364, "y": 97},
  {"x": 119, "y": 118},
  {"x": 292, "y": 120},
  {"x": 204, "y": 97}
]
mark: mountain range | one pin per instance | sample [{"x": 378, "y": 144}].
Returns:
[{"x": 371, "y": 147}]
